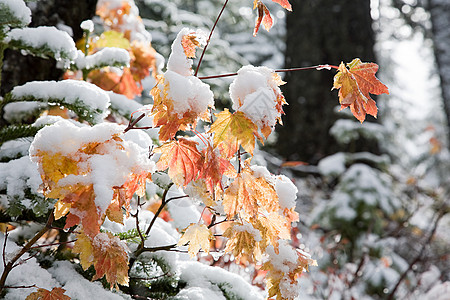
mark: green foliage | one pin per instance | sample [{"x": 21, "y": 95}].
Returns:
[{"x": 13, "y": 132}]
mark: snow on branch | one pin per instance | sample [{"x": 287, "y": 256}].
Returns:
[
  {"x": 88, "y": 101},
  {"x": 43, "y": 41}
]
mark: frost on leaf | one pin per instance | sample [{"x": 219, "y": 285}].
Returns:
[
  {"x": 243, "y": 242},
  {"x": 43, "y": 294},
  {"x": 198, "y": 236},
  {"x": 90, "y": 170},
  {"x": 255, "y": 92},
  {"x": 354, "y": 84},
  {"x": 183, "y": 160},
  {"x": 180, "y": 98},
  {"x": 231, "y": 130},
  {"x": 107, "y": 253},
  {"x": 250, "y": 194},
  {"x": 284, "y": 268}
]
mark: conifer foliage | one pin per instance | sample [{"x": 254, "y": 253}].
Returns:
[{"x": 112, "y": 189}]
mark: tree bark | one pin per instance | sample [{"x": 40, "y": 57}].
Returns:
[
  {"x": 320, "y": 32},
  {"x": 440, "y": 20},
  {"x": 44, "y": 13}
]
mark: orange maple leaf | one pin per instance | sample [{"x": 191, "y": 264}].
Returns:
[
  {"x": 232, "y": 130},
  {"x": 189, "y": 42},
  {"x": 198, "y": 236},
  {"x": 273, "y": 227},
  {"x": 164, "y": 115},
  {"x": 43, "y": 294},
  {"x": 107, "y": 253},
  {"x": 355, "y": 84},
  {"x": 183, "y": 160},
  {"x": 214, "y": 167},
  {"x": 83, "y": 210},
  {"x": 110, "y": 259}
]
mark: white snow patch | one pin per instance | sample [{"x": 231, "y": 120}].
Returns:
[{"x": 18, "y": 9}]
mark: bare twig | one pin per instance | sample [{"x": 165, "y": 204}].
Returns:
[
  {"x": 318, "y": 67},
  {"x": 132, "y": 123},
  {"x": 11, "y": 264},
  {"x": 419, "y": 256},
  {"x": 20, "y": 286},
  {"x": 209, "y": 38},
  {"x": 53, "y": 244}
]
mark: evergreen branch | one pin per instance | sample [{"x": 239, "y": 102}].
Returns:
[
  {"x": 13, "y": 132},
  {"x": 84, "y": 112},
  {"x": 43, "y": 51}
]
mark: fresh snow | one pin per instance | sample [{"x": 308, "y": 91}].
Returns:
[
  {"x": 87, "y": 25},
  {"x": 109, "y": 56},
  {"x": 18, "y": 8},
  {"x": 81, "y": 92},
  {"x": 105, "y": 170},
  {"x": 45, "y": 37}
]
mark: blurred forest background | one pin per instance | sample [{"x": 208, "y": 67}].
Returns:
[{"x": 374, "y": 198}]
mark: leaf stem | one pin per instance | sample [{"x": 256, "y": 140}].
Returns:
[{"x": 209, "y": 37}]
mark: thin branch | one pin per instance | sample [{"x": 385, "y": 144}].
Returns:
[
  {"x": 318, "y": 67},
  {"x": 53, "y": 244},
  {"x": 137, "y": 221},
  {"x": 209, "y": 37},
  {"x": 132, "y": 123},
  {"x": 4, "y": 248},
  {"x": 26, "y": 248},
  {"x": 418, "y": 257},
  {"x": 20, "y": 286},
  {"x": 159, "y": 248}
]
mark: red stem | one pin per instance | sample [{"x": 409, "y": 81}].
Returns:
[
  {"x": 318, "y": 67},
  {"x": 209, "y": 38}
]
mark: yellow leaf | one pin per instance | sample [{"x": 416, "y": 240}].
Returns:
[
  {"x": 243, "y": 241},
  {"x": 232, "y": 130},
  {"x": 61, "y": 209},
  {"x": 198, "y": 236},
  {"x": 83, "y": 246},
  {"x": 112, "y": 38}
]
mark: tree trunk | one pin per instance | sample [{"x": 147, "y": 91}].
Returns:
[
  {"x": 440, "y": 20},
  {"x": 320, "y": 32},
  {"x": 45, "y": 13}
]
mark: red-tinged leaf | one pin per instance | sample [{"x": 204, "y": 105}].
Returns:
[
  {"x": 43, "y": 294},
  {"x": 183, "y": 160},
  {"x": 267, "y": 20},
  {"x": 232, "y": 130},
  {"x": 263, "y": 17},
  {"x": 284, "y": 3},
  {"x": 355, "y": 86},
  {"x": 189, "y": 42},
  {"x": 110, "y": 259},
  {"x": 214, "y": 168},
  {"x": 83, "y": 210}
]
